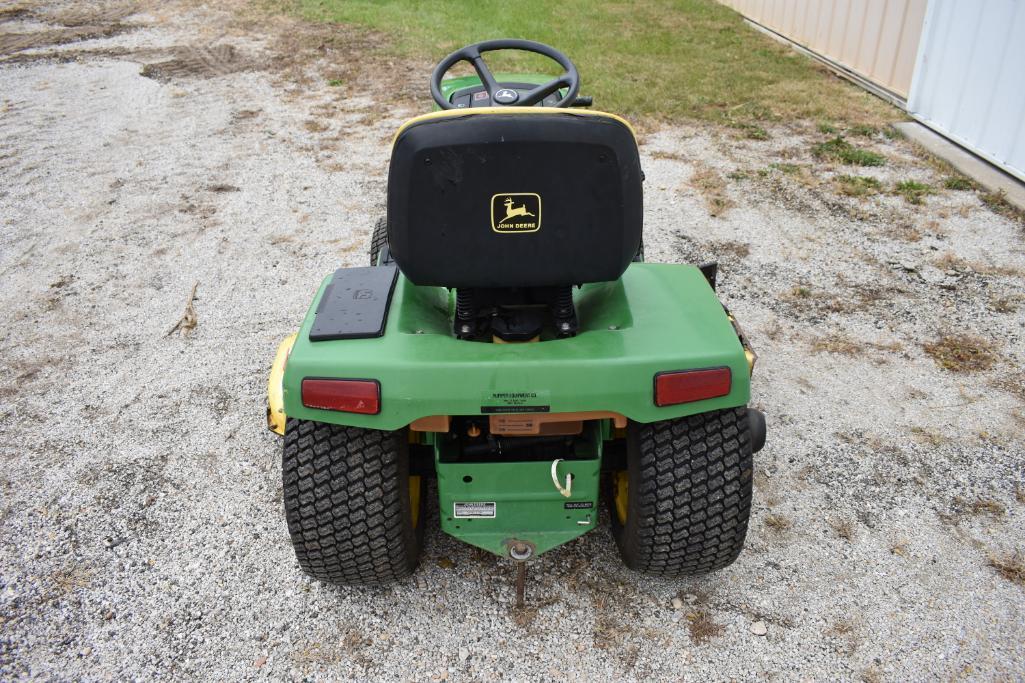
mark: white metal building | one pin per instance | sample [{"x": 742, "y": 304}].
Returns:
[{"x": 956, "y": 66}]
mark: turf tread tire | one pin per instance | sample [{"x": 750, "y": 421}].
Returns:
[
  {"x": 378, "y": 239},
  {"x": 347, "y": 503},
  {"x": 690, "y": 494}
]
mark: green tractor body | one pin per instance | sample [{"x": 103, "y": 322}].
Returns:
[{"x": 524, "y": 438}]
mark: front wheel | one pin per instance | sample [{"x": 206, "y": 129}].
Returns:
[
  {"x": 354, "y": 513},
  {"x": 682, "y": 505}
]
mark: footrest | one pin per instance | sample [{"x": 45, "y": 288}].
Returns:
[{"x": 355, "y": 304}]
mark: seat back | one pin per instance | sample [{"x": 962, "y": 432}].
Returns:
[{"x": 514, "y": 197}]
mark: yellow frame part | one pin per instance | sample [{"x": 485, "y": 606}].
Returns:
[{"x": 275, "y": 392}]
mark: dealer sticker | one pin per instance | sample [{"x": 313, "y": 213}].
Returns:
[
  {"x": 474, "y": 510},
  {"x": 538, "y": 401}
]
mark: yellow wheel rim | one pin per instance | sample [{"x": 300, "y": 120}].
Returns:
[
  {"x": 621, "y": 494},
  {"x": 414, "y": 498}
]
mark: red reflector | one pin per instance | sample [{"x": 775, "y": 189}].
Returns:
[
  {"x": 672, "y": 388},
  {"x": 346, "y": 395}
]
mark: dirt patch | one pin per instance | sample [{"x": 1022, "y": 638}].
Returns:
[
  {"x": 11, "y": 43},
  {"x": 712, "y": 188},
  {"x": 200, "y": 62}
]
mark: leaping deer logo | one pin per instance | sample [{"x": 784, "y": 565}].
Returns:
[{"x": 514, "y": 211}]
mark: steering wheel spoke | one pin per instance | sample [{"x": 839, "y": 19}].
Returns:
[
  {"x": 474, "y": 54},
  {"x": 544, "y": 90},
  {"x": 484, "y": 73}
]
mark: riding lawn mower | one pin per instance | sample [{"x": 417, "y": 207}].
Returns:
[{"x": 508, "y": 341}]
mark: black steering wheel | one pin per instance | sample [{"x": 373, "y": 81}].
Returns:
[{"x": 507, "y": 96}]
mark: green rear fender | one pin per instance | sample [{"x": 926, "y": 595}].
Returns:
[{"x": 656, "y": 318}]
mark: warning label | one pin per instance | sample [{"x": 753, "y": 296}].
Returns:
[
  {"x": 579, "y": 505},
  {"x": 473, "y": 510}
]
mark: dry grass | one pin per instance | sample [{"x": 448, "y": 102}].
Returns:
[
  {"x": 702, "y": 628},
  {"x": 836, "y": 343},
  {"x": 71, "y": 578},
  {"x": 674, "y": 156},
  {"x": 951, "y": 261},
  {"x": 961, "y": 353},
  {"x": 844, "y": 528},
  {"x": 730, "y": 248},
  {"x": 189, "y": 319},
  {"x": 1010, "y": 566},
  {"x": 987, "y": 506},
  {"x": 928, "y": 436},
  {"x": 844, "y": 345},
  {"x": 1006, "y": 304},
  {"x": 777, "y": 523},
  {"x": 998, "y": 204},
  {"x": 872, "y": 675},
  {"x": 711, "y": 186}
]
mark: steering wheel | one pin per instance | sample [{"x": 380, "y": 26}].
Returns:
[{"x": 474, "y": 54}]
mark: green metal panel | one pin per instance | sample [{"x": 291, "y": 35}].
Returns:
[
  {"x": 657, "y": 317},
  {"x": 522, "y": 498}
]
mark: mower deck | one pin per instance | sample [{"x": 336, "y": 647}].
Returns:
[{"x": 656, "y": 318}]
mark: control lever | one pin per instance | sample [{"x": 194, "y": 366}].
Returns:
[{"x": 582, "y": 102}]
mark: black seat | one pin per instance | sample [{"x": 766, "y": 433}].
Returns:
[{"x": 517, "y": 197}]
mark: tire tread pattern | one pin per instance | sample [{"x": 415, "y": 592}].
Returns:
[
  {"x": 378, "y": 239},
  {"x": 690, "y": 490},
  {"x": 347, "y": 503}
]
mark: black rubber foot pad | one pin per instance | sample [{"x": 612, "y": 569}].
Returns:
[{"x": 355, "y": 304}]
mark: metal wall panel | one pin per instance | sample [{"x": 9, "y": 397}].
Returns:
[
  {"x": 877, "y": 39},
  {"x": 969, "y": 79}
]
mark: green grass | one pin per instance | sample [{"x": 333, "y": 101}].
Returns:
[
  {"x": 958, "y": 183},
  {"x": 657, "y": 59},
  {"x": 838, "y": 149},
  {"x": 913, "y": 192},
  {"x": 789, "y": 169},
  {"x": 863, "y": 130},
  {"x": 858, "y": 185}
]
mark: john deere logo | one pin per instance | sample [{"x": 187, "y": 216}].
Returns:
[{"x": 516, "y": 212}]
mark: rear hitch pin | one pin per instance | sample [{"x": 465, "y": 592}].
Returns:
[{"x": 566, "y": 491}]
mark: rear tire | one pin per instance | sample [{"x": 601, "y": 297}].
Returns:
[
  {"x": 688, "y": 494},
  {"x": 354, "y": 514},
  {"x": 378, "y": 239},
  {"x": 639, "y": 256}
]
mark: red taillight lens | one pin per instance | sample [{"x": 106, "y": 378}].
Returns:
[
  {"x": 346, "y": 395},
  {"x": 672, "y": 388}
]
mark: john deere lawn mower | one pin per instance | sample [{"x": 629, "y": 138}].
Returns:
[{"x": 508, "y": 341}]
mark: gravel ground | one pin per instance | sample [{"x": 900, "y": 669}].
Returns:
[{"x": 144, "y": 149}]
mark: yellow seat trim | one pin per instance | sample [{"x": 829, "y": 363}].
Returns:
[{"x": 508, "y": 111}]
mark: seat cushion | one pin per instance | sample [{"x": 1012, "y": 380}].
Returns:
[{"x": 514, "y": 198}]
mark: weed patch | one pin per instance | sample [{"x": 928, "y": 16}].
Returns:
[
  {"x": 913, "y": 192},
  {"x": 838, "y": 149},
  {"x": 998, "y": 204},
  {"x": 702, "y": 628},
  {"x": 958, "y": 183},
  {"x": 961, "y": 353},
  {"x": 858, "y": 186}
]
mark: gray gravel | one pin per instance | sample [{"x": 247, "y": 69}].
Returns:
[{"x": 142, "y": 527}]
